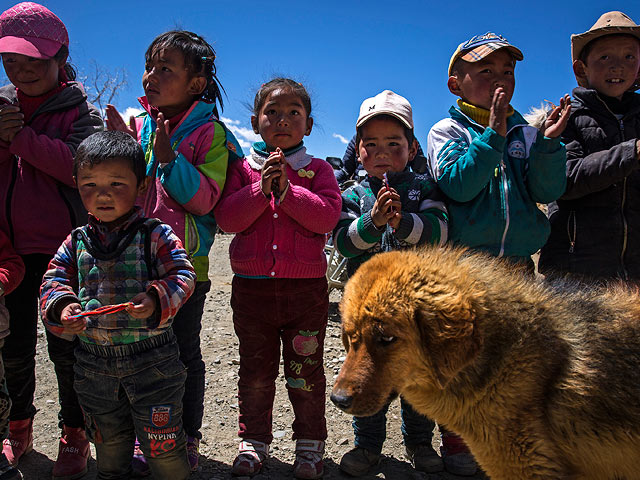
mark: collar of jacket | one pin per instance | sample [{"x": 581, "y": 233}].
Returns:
[
  {"x": 589, "y": 98},
  {"x": 198, "y": 113},
  {"x": 296, "y": 158}
]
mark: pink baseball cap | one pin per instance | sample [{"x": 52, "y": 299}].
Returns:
[{"x": 33, "y": 30}]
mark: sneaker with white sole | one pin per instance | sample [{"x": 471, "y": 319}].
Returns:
[
  {"x": 309, "y": 464},
  {"x": 251, "y": 456}
]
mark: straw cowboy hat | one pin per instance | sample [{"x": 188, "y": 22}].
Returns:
[{"x": 610, "y": 23}]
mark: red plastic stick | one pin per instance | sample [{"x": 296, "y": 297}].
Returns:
[{"x": 102, "y": 310}]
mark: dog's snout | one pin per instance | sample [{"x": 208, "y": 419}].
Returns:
[{"x": 341, "y": 400}]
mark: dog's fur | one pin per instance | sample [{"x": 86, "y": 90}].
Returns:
[{"x": 542, "y": 382}]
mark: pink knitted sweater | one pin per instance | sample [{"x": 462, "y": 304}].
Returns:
[{"x": 285, "y": 240}]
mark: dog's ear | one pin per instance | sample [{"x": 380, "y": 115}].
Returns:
[{"x": 448, "y": 329}]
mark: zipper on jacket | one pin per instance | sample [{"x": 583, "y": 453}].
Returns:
[
  {"x": 12, "y": 184},
  {"x": 571, "y": 232},
  {"x": 625, "y": 226},
  {"x": 506, "y": 206}
]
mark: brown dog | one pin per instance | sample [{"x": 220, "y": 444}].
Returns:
[{"x": 541, "y": 382}]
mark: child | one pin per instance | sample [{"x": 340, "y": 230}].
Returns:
[
  {"x": 128, "y": 376},
  {"x": 44, "y": 115},
  {"x": 595, "y": 225},
  {"x": 187, "y": 150},
  {"x": 391, "y": 208},
  {"x": 493, "y": 168},
  {"x": 11, "y": 273},
  {"x": 280, "y": 202}
]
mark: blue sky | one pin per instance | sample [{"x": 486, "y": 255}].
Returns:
[{"x": 342, "y": 52}]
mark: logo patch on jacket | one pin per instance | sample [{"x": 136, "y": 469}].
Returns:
[{"x": 516, "y": 149}]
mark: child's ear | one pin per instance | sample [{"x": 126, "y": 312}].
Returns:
[
  {"x": 413, "y": 150},
  {"x": 254, "y": 124},
  {"x": 454, "y": 85},
  {"x": 75, "y": 181},
  {"x": 197, "y": 85},
  {"x": 579, "y": 69},
  {"x": 309, "y": 125},
  {"x": 144, "y": 184}
]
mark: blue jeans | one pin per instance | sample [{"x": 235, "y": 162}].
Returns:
[
  {"x": 371, "y": 432},
  {"x": 186, "y": 326},
  {"x": 134, "y": 390}
]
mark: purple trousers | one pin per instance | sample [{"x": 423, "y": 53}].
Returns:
[{"x": 267, "y": 312}]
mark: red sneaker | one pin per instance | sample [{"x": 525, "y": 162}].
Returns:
[
  {"x": 73, "y": 453},
  {"x": 20, "y": 440},
  {"x": 308, "y": 464}
]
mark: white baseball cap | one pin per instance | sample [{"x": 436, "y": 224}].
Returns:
[{"x": 386, "y": 103}]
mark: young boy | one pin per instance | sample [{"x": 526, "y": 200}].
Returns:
[
  {"x": 493, "y": 168},
  {"x": 11, "y": 273},
  {"x": 595, "y": 225},
  {"x": 403, "y": 210},
  {"x": 129, "y": 378}
]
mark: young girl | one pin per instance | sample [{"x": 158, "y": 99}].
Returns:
[
  {"x": 187, "y": 150},
  {"x": 44, "y": 115},
  {"x": 280, "y": 201}
]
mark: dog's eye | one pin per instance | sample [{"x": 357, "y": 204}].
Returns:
[{"x": 387, "y": 340}]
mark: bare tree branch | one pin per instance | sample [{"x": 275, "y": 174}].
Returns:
[{"x": 102, "y": 85}]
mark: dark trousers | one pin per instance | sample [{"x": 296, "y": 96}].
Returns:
[
  {"x": 186, "y": 326},
  {"x": 5, "y": 400},
  {"x": 19, "y": 352},
  {"x": 265, "y": 313},
  {"x": 371, "y": 432},
  {"x": 134, "y": 390}
]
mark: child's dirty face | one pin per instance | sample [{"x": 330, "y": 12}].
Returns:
[
  {"x": 33, "y": 76},
  {"x": 384, "y": 147},
  {"x": 612, "y": 64},
  {"x": 478, "y": 80},
  {"x": 282, "y": 120},
  {"x": 108, "y": 189},
  {"x": 167, "y": 83}
]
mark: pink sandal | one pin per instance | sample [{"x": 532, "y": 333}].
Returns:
[{"x": 251, "y": 456}]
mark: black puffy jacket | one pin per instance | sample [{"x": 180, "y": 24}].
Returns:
[{"x": 595, "y": 225}]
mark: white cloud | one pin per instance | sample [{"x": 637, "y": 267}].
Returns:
[
  {"x": 132, "y": 111},
  {"x": 245, "y": 136},
  {"x": 341, "y": 138},
  {"x": 228, "y": 121}
]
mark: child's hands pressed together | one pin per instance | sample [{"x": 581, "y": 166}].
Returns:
[
  {"x": 73, "y": 325},
  {"x": 274, "y": 174},
  {"x": 557, "y": 120},
  {"x": 386, "y": 209},
  {"x": 162, "y": 143},
  {"x": 115, "y": 122},
  {"x": 498, "y": 112},
  {"x": 11, "y": 122},
  {"x": 143, "y": 306}
]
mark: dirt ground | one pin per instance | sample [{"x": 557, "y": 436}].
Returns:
[{"x": 220, "y": 441}]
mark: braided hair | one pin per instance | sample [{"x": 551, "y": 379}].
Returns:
[{"x": 199, "y": 58}]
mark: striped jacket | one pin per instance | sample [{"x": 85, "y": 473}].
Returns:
[
  {"x": 424, "y": 218},
  {"x": 183, "y": 193},
  {"x": 493, "y": 183},
  {"x": 97, "y": 267}
]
